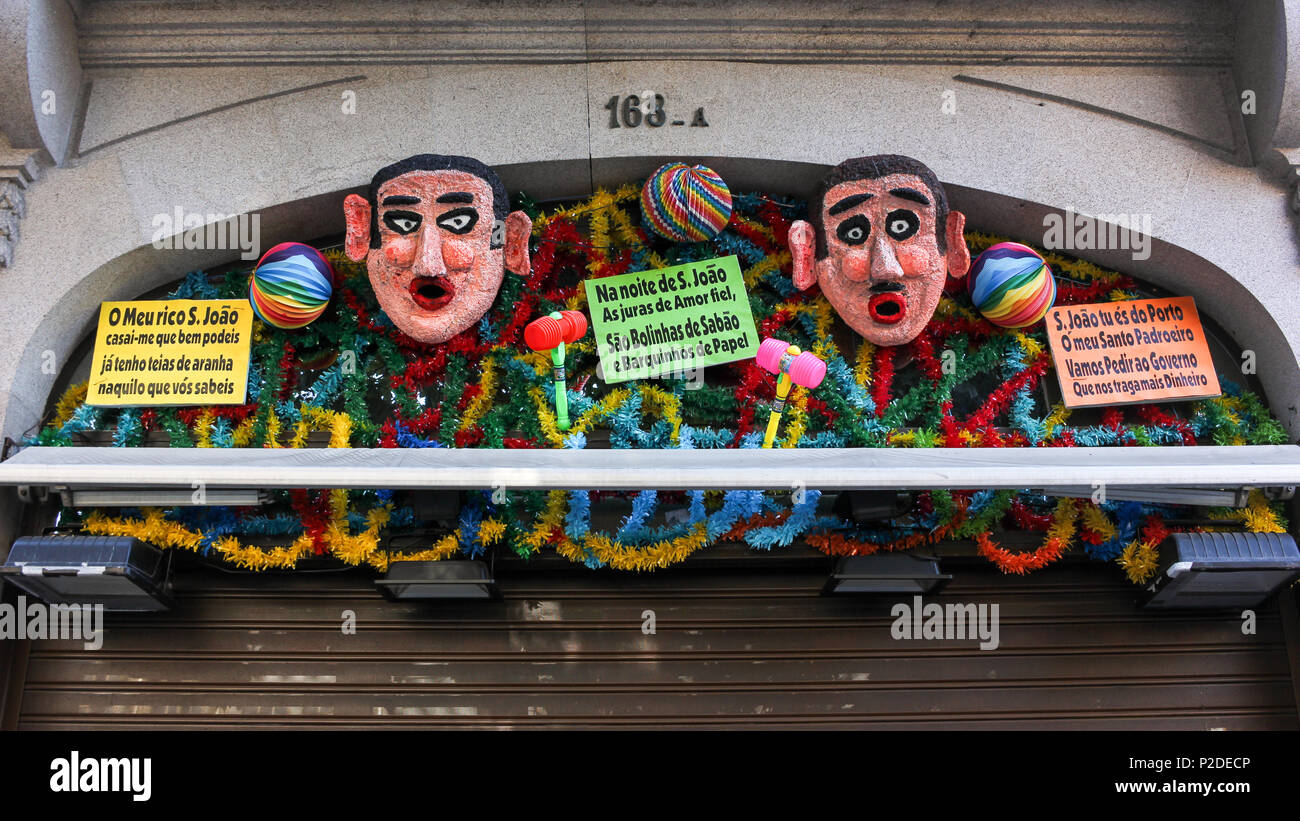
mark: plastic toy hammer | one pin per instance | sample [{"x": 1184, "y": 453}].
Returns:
[
  {"x": 794, "y": 367},
  {"x": 549, "y": 333}
]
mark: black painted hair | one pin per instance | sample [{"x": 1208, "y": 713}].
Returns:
[
  {"x": 437, "y": 162},
  {"x": 873, "y": 168}
]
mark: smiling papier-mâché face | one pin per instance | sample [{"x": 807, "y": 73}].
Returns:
[
  {"x": 884, "y": 243},
  {"x": 436, "y": 239}
]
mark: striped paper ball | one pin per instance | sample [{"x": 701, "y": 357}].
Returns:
[
  {"x": 1011, "y": 285},
  {"x": 291, "y": 285},
  {"x": 686, "y": 203}
]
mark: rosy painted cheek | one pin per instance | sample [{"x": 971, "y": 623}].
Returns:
[
  {"x": 916, "y": 263},
  {"x": 855, "y": 266},
  {"x": 458, "y": 256},
  {"x": 400, "y": 251}
]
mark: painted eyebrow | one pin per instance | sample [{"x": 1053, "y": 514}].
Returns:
[
  {"x": 847, "y": 203},
  {"x": 456, "y": 196},
  {"x": 401, "y": 199},
  {"x": 910, "y": 194}
]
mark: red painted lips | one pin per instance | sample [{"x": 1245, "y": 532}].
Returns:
[
  {"x": 887, "y": 308},
  {"x": 432, "y": 293}
]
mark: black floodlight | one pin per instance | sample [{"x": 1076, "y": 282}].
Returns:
[
  {"x": 1213, "y": 571},
  {"x": 886, "y": 573},
  {"x": 125, "y": 575},
  {"x": 439, "y": 580},
  {"x": 863, "y": 506}
]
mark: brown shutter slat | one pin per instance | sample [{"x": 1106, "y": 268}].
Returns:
[{"x": 734, "y": 647}]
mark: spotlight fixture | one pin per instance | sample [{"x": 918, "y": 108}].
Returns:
[
  {"x": 886, "y": 573},
  {"x": 1222, "y": 570},
  {"x": 122, "y": 574},
  {"x": 438, "y": 580},
  {"x": 864, "y": 506}
]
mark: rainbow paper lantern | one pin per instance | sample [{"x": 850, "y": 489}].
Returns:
[
  {"x": 1011, "y": 285},
  {"x": 686, "y": 203},
  {"x": 291, "y": 285}
]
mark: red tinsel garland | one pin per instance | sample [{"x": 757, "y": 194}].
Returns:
[
  {"x": 1151, "y": 415},
  {"x": 1020, "y": 563},
  {"x": 883, "y": 380},
  {"x": 1026, "y": 519},
  {"x": 1001, "y": 396}
]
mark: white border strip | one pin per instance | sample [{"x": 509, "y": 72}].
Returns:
[{"x": 623, "y": 469}]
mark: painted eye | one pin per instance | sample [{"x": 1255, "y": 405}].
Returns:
[
  {"x": 459, "y": 221},
  {"x": 402, "y": 222},
  {"x": 902, "y": 223},
  {"x": 854, "y": 231}
]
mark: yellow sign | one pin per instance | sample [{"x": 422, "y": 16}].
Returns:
[{"x": 171, "y": 352}]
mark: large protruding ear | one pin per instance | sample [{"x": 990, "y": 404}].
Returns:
[
  {"x": 518, "y": 228},
  {"x": 958, "y": 253},
  {"x": 356, "y": 211},
  {"x": 802, "y": 241}
]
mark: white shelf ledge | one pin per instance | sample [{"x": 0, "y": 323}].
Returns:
[{"x": 826, "y": 469}]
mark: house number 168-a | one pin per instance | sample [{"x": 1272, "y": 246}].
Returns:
[{"x": 649, "y": 108}]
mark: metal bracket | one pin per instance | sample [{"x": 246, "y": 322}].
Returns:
[{"x": 33, "y": 494}]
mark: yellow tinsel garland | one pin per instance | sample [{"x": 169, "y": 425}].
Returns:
[
  {"x": 1258, "y": 516},
  {"x": 1096, "y": 521},
  {"x": 68, "y": 403},
  {"x": 624, "y": 557},
  {"x": 203, "y": 429},
  {"x": 1140, "y": 561},
  {"x": 362, "y": 548},
  {"x": 767, "y": 264},
  {"x": 627, "y": 232},
  {"x": 481, "y": 403}
]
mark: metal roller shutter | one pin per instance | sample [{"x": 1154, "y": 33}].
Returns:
[{"x": 732, "y": 647}]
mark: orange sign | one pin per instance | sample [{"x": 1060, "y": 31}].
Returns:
[{"x": 1118, "y": 353}]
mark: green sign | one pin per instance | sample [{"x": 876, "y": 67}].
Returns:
[{"x": 671, "y": 321}]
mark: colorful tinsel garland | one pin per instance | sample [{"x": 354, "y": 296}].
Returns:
[{"x": 352, "y": 379}]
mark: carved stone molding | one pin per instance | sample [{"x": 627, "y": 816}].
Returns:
[
  {"x": 154, "y": 33},
  {"x": 1267, "y": 71},
  {"x": 1292, "y": 156},
  {"x": 19, "y": 168}
]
